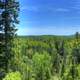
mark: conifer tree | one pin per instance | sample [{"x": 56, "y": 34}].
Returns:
[
  {"x": 77, "y": 36},
  {"x": 8, "y": 18}
]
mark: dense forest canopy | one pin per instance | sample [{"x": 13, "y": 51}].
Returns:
[{"x": 46, "y": 58}]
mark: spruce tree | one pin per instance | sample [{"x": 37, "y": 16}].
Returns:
[
  {"x": 77, "y": 35},
  {"x": 8, "y": 18}
]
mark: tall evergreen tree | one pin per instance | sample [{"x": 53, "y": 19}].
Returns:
[
  {"x": 8, "y": 18},
  {"x": 77, "y": 35}
]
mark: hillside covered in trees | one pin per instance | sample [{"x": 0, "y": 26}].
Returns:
[{"x": 45, "y": 58}]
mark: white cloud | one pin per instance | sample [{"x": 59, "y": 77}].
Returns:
[
  {"x": 29, "y": 8},
  {"x": 62, "y": 10},
  {"x": 41, "y": 8}
]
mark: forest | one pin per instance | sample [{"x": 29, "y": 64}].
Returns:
[{"x": 45, "y": 57}]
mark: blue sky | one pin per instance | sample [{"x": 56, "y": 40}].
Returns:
[{"x": 51, "y": 17}]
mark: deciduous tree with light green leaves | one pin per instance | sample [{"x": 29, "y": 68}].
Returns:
[
  {"x": 42, "y": 66},
  {"x": 13, "y": 76}
]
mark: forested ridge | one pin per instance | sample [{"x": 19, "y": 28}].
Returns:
[{"x": 46, "y": 58}]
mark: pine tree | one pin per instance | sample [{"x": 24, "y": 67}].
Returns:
[
  {"x": 77, "y": 36},
  {"x": 8, "y": 18}
]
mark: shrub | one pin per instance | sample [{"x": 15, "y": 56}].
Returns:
[{"x": 13, "y": 76}]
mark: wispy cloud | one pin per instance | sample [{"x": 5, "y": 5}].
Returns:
[
  {"x": 53, "y": 9},
  {"x": 76, "y": 5},
  {"x": 29, "y": 8},
  {"x": 62, "y": 10},
  {"x": 43, "y": 9}
]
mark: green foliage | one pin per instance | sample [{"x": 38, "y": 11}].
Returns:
[
  {"x": 46, "y": 58},
  {"x": 8, "y": 18},
  {"x": 13, "y": 76},
  {"x": 42, "y": 66}
]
